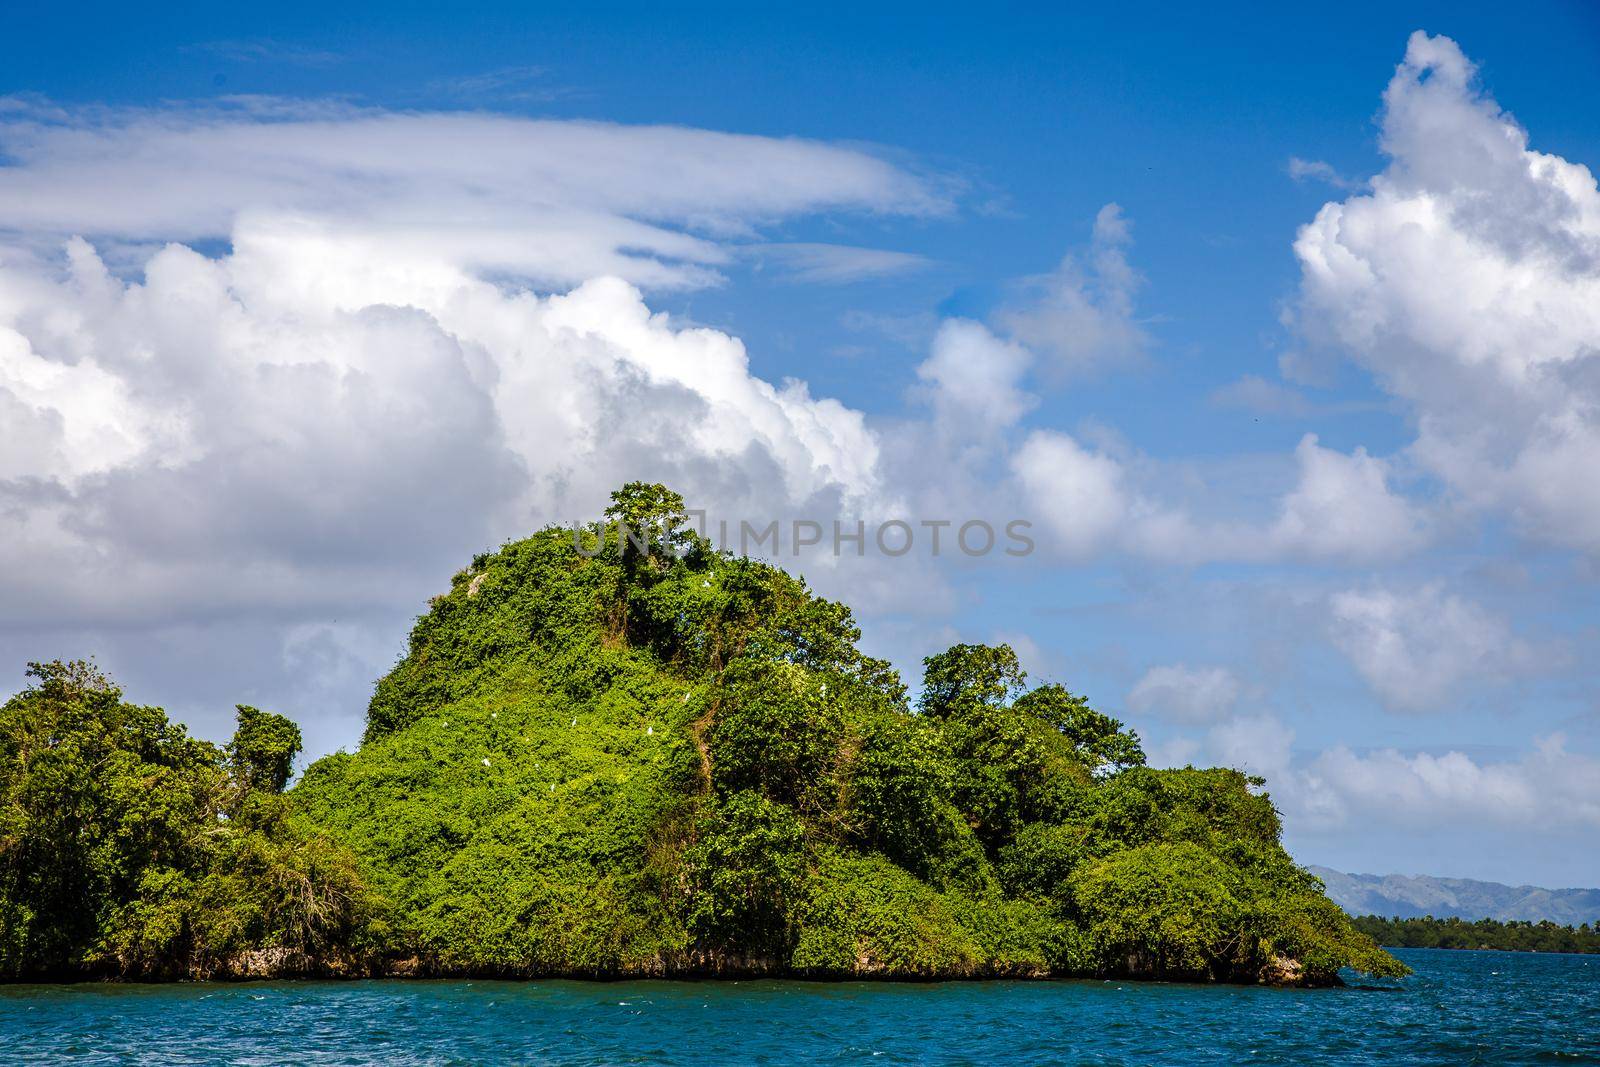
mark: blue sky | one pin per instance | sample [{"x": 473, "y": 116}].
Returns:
[{"x": 1392, "y": 619}]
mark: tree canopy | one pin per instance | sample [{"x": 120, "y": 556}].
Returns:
[
  {"x": 128, "y": 847},
  {"x": 263, "y": 749}
]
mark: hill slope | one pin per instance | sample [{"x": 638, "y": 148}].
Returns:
[
  {"x": 1415, "y": 896},
  {"x": 653, "y": 758}
]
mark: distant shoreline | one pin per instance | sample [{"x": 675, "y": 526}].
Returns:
[{"x": 1481, "y": 935}]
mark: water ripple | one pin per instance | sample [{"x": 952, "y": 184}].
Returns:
[{"x": 1460, "y": 1007}]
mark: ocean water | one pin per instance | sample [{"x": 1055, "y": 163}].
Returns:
[{"x": 1460, "y": 1007}]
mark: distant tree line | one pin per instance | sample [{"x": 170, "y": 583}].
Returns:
[{"x": 1429, "y": 932}]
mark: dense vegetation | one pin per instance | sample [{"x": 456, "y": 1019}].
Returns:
[
  {"x": 1429, "y": 932},
  {"x": 627, "y": 753},
  {"x": 129, "y": 848}
]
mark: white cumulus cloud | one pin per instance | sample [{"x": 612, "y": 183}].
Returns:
[
  {"x": 974, "y": 379},
  {"x": 1343, "y": 508},
  {"x": 304, "y": 436},
  {"x": 1077, "y": 492},
  {"x": 1467, "y": 280},
  {"x": 303, "y": 403}
]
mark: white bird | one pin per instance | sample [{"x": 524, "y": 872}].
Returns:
[
  {"x": 486, "y": 761},
  {"x": 574, "y": 722},
  {"x": 649, "y": 731},
  {"x": 686, "y": 698},
  {"x": 494, "y": 715}
]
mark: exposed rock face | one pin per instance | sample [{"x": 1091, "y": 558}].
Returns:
[
  {"x": 1280, "y": 970},
  {"x": 279, "y": 963},
  {"x": 269, "y": 963}
]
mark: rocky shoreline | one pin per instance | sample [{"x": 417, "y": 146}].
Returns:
[{"x": 280, "y": 964}]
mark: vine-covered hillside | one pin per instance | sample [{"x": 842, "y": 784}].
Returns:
[{"x": 637, "y": 755}]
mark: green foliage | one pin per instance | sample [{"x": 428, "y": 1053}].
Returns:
[
  {"x": 1041, "y": 858},
  {"x": 867, "y": 915},
  {"x": 117, "y": 850},
  {"x": 1100, "y": 742},
  {"x": 621, "y": 752},
  {"x": 1010, "y": 769},
  {"x": 1166, "y": 910},
  {"x": 270, "y": 888},
  {"x": 649, "y": 517},
  {"x": 900, "y": 777},
  {"x": 748, "y": 869},
  {"x": 263, "y": 749},
  {"x": 1515, "y": 936},
  {"x": 964, "y": 677},
  {"x": 776, "y": 732}
]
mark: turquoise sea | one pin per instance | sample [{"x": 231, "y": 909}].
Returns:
[{"x": 1460, "y": 1007}]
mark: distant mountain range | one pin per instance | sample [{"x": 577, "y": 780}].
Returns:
[{"x": 1411, "y": 896}]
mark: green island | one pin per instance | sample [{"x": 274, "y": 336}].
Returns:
[
  {"x": 622, "y": 753},
  {"x": 1514, "y": 936}
]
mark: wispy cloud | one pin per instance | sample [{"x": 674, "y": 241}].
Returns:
[
  {"x": 1184, "y": 693},
  {"x": 1081, "y": 315},
  {"x": 1258, "y": 395},
  {"x": 555, "y": 202},
  {"x": 267, "y": 50},
  {"x": 524, "y": 84},
  {"x": 913, "y": 331},
  {"x": 1418, "y": 649},
  {"x": 1317, "y": 170},
  {"x": 829, "y": 263}
]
